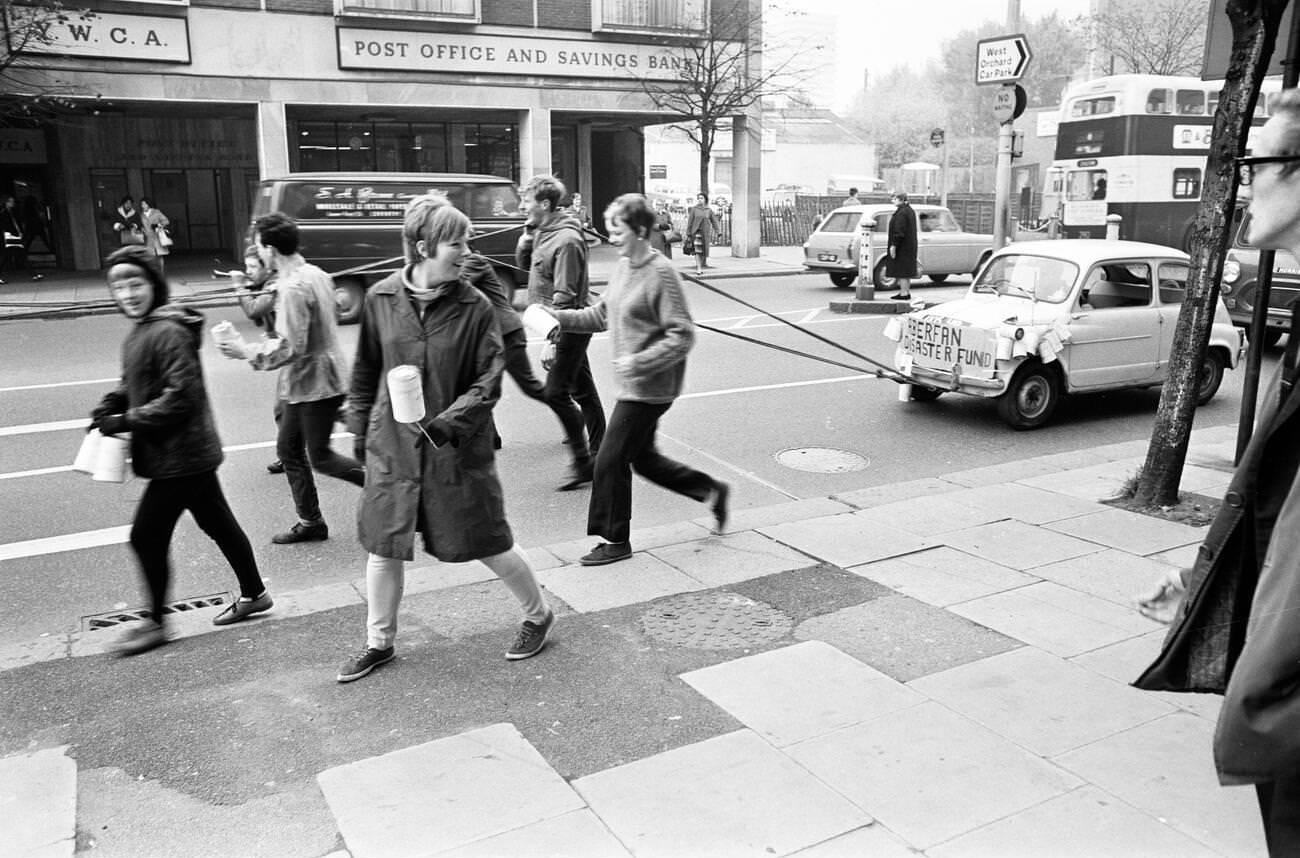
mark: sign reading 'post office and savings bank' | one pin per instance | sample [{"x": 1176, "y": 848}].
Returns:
[{"x": 403, "y": 50}]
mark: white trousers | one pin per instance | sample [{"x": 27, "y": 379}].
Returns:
[{"x": 386, "y": 580}]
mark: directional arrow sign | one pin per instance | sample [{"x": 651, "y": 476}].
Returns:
[{"x": 1001, "y": 59}]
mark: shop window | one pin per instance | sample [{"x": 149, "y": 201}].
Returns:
[
  {"x": 1187, "y": 183},
  {"x": 676, "y": 16},
  {"x": 1191, "y": 102},
  {"x": 464, "y": 11},
  {"x": 492, "y": 150}
]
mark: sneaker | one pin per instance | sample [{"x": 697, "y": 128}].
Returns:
[
  {"x": 579, "y": 477},
  {"x": 355, "y": 668},
  {"x": 899, "y": 296},
  {"x": 607, "y": 552},
  {"x": 140, "y": 637},
  {"x": 531, "y": 638},
  {"x": 318, "y": 532},
  {"x": 276, "y": 467},
  {"x": 241, "y": 609},
  {"x": 721, "y": 493}
]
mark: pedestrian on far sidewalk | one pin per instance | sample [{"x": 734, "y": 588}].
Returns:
[
  {"x": 155, "y": 225},
  {"x": 644, "y": 309},
  {"x": 900, "y": 262},
  {"x": 701, "y": 227},
  {"x": 313, "y": 374},
  {"x": 14, "y": 254},
  {"x": 437, "y": 478},
  {"x": 161, "y": 400},
  {"x": 1236, "y": 611}
]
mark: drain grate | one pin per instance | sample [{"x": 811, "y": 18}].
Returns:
[
  {"x": 109, "y": 619},
  {"x": 822, "y": 460},
  {"x": 715, "y": 620}
]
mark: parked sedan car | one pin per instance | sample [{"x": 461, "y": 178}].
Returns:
[
  {"x": 943, "y": 247},
  {"x": 1241, "y": 282},
  {"x": 1047, "y": 318}
]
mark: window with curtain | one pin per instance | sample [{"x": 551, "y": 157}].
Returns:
[
  {"x": 672, "y": 16},
  {"x": 441, "y": 10}
]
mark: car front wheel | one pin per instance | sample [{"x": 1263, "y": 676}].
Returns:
[
  {"x": 843, "y": 278},
  {"x": 879, "y": 278},
  {"x": 1211, "y": 376},
  {"x": 1030, "y": 399},
  {"x": 349, "y": 295},
  {"x": 938, "y": 278}
]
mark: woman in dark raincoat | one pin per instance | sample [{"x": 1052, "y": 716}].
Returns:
[
  {"x": 438, "y": 477},
  {"x": 900, "y": 263}
]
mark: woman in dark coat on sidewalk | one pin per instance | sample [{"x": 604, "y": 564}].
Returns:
[
  {"x": 161, "y": 400},
  {"x": 438, "y": 478},
  {"x": 900, "y": 264}
]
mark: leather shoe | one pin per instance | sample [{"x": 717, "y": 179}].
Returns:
[
  {"x": 276, "y": 467},
  {"x": 721, "y": 493},
  {"x": 300, "y": 532},
  {"x": 899, "y": 296},
  {"x": 241, "y": 609},
  {"x": 581, "y": 475},
  {"x": 607, "y": 552}
]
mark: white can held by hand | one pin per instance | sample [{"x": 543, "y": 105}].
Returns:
[{"x": 110, "y": 463}]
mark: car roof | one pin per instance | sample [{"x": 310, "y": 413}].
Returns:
[
  {"x": 877, "y": 208},
  {"x": 473, "y": 178},
  {"x": 1088, "y": 251}
]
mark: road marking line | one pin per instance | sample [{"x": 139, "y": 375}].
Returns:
[
  {"x": 51, "y": 384},
  {"x": 55, "y": 426},
  {"x": 67, "y": 542},
  {"x": 735, "y": 469},
  {"x": 780, "y": 386}
]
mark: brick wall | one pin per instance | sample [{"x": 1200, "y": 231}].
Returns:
[
  {"x": 508, "y": 13},
  {"x": 565, "y": 14}
]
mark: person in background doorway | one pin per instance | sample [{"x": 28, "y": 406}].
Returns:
[
  {"x": 313, "y": 373},
  {"x": 664, "y": 233},
  {"x": 161, "y": 400},
  {"x": 579, "y": 210},
  {"x": 901, "y": 261},
  {"x": 14, "y": 254},
  {"x": 255, "y": 291},
  {"x": 1236, "y": 611},
  {"x": 127, "y": 223},
  {"x": 155, "y": 224},
  {"x": 437, "y": 479},
  {"x": 701, "y": 227},
  {"x": 852, "y": 198},
  {"x": 644, "y": 309}
]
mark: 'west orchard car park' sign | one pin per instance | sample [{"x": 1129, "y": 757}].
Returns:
[
  {"x": 405, "y": 50},
  {"x": 1001, "y": 59}
]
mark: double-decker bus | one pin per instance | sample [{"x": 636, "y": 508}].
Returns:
[{"x": 1135, "y": 145}]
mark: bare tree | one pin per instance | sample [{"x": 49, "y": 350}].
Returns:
[
  {"x": 717, "y": 78},
  {"x": 1150, "y": 36},
  {"x": 28, "y": 93},
  {"x": 1254, "y": 32}
]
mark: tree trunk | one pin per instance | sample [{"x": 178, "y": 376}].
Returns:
[{"x": 1255, "y": 25}]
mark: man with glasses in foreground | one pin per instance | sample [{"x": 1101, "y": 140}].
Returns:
[{"x": 1236, "y": 612}]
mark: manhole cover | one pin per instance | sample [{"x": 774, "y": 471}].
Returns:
[
  {"x": 822, "y": 460},
  {"x": 718, "y": 620}
]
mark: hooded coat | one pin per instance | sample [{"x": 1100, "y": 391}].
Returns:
[
  {"x": 449, "y": 493},
  {"x": 557, "y": 275},
  {"x": 163, "y": 396}
]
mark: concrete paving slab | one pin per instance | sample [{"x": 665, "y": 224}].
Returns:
[
  {"x": 874, "y": 841},
  {"x": 1057, "y": 619},
  {"x": 1115, "y": 576},
  {"x": 595, "y": 588},
  {"x": 1125, "y": 661},
  {"x": 1008, "y": 472},
  {"x": 1165, "y": 768},
  {"x": 44, "y": 648},
  {"x": 1181, "y": 558},
  {"x": 1017, "y": 545},
  {"x": 728, "y": 559},
  {"x": 456, "y": 613},
  {"x": 801, "y": 691},
  {"x": 904, "y": 638},
  {"x": 444, "y": 794},
  {"x": 846, "y": 540},
  {"x": 1218, "y": 455},
  {"x": 425, "y": 578},
  {"x": 1024, "y": 503},
  {"x": 1136, "y": 449},
  {"x": 943, "y": 576},
  {"x": 931, "y": 515},
  {"x": 300, "y": 603},
  {"x": 733, "y": 795},
  {"x": 780, "y": 513},
  {"x": 1130, "y": 531},
  {"x": 578, "y": 834},
  {"x": 932, "y": 775},
  {"x": 1098, "y": 482},
  {"x": 38, "y": 801},
  {"x": 1207, "y": 481},
  {"x": 812, "y": 591},
  {"x": 1039, "y": 701},
  {"x": 1085, "y": 823},
  {"x": 891, "y": 492}
]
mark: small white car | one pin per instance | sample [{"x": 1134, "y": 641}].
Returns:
[
  {"x": 1047, "y": 318},
  {"x": 942, "y": 246}
]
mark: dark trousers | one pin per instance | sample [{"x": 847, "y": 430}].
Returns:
[
  {"x": 155, "y": 520},
  {"x": 13, "y": 257},
  {"x": 630, "y": 445},
  {"x": 520, "y": 367},
  {"x": 1279, "y": 805},
  {"x": 571, "y": 394},
  {"x": 303, "y": 443}
]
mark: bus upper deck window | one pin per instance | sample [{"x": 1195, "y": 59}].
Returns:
[
  {"x": 1191, "y": 102},
  {"x": 1158, "y": 101}
]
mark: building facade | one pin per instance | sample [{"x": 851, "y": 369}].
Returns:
[{"x": 190, "y": 103}]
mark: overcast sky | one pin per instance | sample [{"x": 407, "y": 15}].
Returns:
[{"x": 880, "y": 34}]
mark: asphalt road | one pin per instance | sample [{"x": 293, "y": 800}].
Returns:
[{"x": 776, "y": 426}]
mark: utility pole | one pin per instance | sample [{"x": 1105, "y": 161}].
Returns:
[{"x": 1006, "y": 131}]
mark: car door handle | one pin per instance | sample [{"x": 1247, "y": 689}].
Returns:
[{"x": 1078, "y": 315}]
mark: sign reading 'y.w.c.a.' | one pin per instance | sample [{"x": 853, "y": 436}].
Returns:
[{"x": 107, "y": 35}]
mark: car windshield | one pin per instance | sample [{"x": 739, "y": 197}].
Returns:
[{"x": 1039, "y": 278}]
